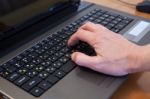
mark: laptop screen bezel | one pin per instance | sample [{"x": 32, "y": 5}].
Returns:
[
  {"x": 10, "y": 31},
  {"x": 11, "y": 42}
]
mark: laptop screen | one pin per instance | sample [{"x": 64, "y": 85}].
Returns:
[{"x": 13, "y": 12}]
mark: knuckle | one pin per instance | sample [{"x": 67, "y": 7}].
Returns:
[
  {"x": 101, "y": 27},
  {"x": 79, "y": 31},
  {"x": 88, "y": 23}
]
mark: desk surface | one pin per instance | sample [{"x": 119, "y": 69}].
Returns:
[{"x": 138, "y": 84}]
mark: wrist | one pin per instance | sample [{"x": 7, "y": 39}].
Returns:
[
  {"x": 145, "y": 58},
  {"x": 139, "y": 59},
  {"x": 135, "y": 61}
]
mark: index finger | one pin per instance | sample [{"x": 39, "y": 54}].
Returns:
[{"x": 82, "y": 35}]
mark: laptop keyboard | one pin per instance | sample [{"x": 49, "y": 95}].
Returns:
[{"x": 41, "y": 66}]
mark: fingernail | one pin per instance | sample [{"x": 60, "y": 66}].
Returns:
[
  {"x": 73, "y": 56},
  {"x": 70, "y": 46}
]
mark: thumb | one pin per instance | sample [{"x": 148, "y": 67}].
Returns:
[{"x": 85, "y": 60}]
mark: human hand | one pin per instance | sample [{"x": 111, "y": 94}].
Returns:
[{"x": 115, "y": 55}]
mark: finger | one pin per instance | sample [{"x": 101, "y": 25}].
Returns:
[
  {"x": 85, "y": 60},
  {"x": 104, "y": 31},
  {"x": 89, "y": 26},
  {"x": 92, "y": 62},
  {"x": 82, "y": 35},
  {"x": 101, "y": 27}
]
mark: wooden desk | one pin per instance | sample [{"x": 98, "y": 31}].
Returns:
[{"x": 138, "y": 84}]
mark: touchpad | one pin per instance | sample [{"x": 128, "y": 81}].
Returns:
[{"x": 137, "y": 31}]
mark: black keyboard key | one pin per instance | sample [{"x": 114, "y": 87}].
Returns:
[
  {"x": 45, "y": 41},
  {"x": 19, "y": 57},
  {"x": 68, "y": 67},
  {"x": 101, "y": 18},
  {"x": 115, "y": 22},
  {"x": 91, "y": 19},
  {"x": 58, "y": 54},
  {"x": 108, "y": 27},
  {"x": 52, "y": 79},
  {"x": 44, "y": 56},
  {"x": 53, "y": 58},
  {"x": 118, "y": 19},
  {"x": 111, "y": 25},
  {"x": 68, "y": 55},
  {"x": 59, "y": 74},
  {"x": 13, "y": 76},
  {"x": 11, "y": 69},
  {"x": 12, "y": 61},
  {"x": 37, "y": 91},
  {"x": 64, "y": 59},
  {"x": 112, "y": 14},
  {"x": 56, "y": 34},
  {"x": 62, "y": 44},
  {"x": 128, "y": 19},
  {"x": 125, "y": 21},
  {"x": 6, "y": 65},
  {"x": 39, "y": 68},
  {"x": 51, "y": 43},
  {"x": 115, "y": 30},
  {"x": 105, "y": 15},
  {"x": 50, "y": 69},
  {"x": 31, "y": 73},
  {"x": 46, "y": 63},
  {"x": 50, "y": 52},
  {"x": 58, "y": 39},
  {"x": 46, "y": 47},
  {"x": 25, "y": 53},
  {"x": 26, "y": 59},
  {"x": 103, "y": 11},
  {"x": 31, "y": 50},
  {"x": 40, "y": 51},
  {"x": 45, "y": 85},
  {"x": 65, "y": 50},
  {"x": 33, "y": 55},
  {"x": 57, "y": 64},
  {"x": 37, "y": 46},
  {"x": 4, "y": 73},
  {"x": 19, "y": 64},
  {"x": 108, "y": 20},
  {"x": 120, "y": 26},
  {"x": 112, "y": 17},
  {"x": 56, "y": 48},
  {"x": 104, "y": 23},
  {"x": 63, "y": 36},
  {"x": 98, "y": 21},
  {"x": 37, "y": 60},
  {"x": 43, "y": 74},
  {"x": 52, "y": 36},
  {"x": 69, "y": 32},
  {"x": 31, "y": 83},
  {"x": 21, "y": 80},
  {"x": 125, "y": 18},
  {"x": 30, "y": 65},
  {"x": 22, "y": 71},
  {"x": 99, "y": 13},
  {"x": 95, "y": 16}
]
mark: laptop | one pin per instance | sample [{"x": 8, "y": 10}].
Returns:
[{"x": 35, "y": 61}]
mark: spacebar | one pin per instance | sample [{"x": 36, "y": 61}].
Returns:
[{"x": 68, "y": 66}]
